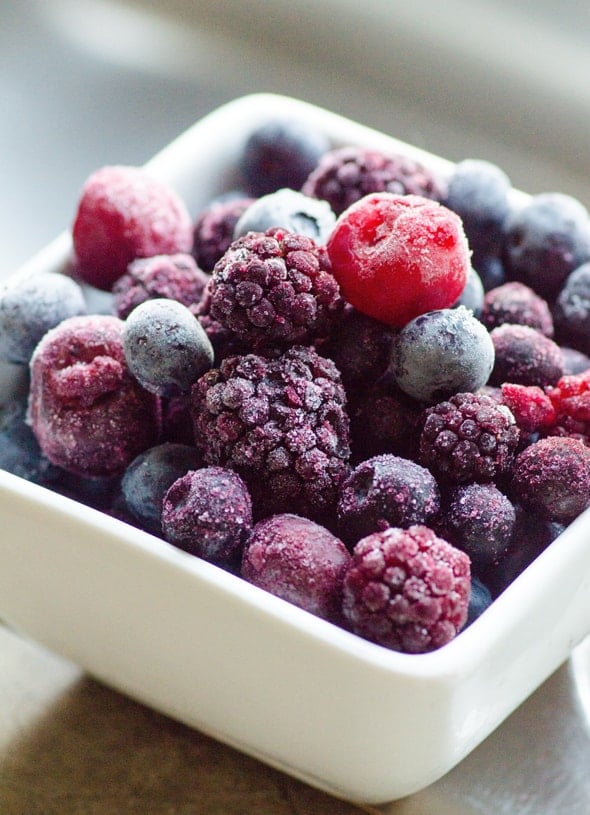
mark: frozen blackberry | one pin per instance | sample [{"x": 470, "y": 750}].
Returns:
[
  {"x": 361, "y": 348},
  {"x": 299, "y": 561},
  {"x": 149, "y": 476},
  {"x": 346, "y": 174},
  {"x": 280, "y": 153},
  {"x": 384, "y": 491},
  {"x": 545, "y": 240},
  {"x": 214, "y": 229},
  {"x": 208, "y": 512},
  {"x": 275, "y": 289},
  {"x": 479, "y": 519},
  {"x": 513, "y": 302},
  {"x": 469, "y": 438},
  {"x": 478, "y": 191},
  {"x": 552, "y": 478},
  {"x": 524, "y": 356},
  {"x": 440, "y": 353},
  {"x": 290, "y": 210},
  {"x": 407, "y": 589},
  {"x": 174, "y": 277},
  {"x": 571, "y": 311},
  {"x": 281, "y": 424},
  {"x": 30, "y": 306}
]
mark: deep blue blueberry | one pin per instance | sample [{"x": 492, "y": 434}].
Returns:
[
  {"x": 479, "y": 600},
  {"x": 150, "y": 475},
  {"x": 290, "y": 210},
  {"x": 280, "y": 153},
  {"x": 473, "y": 294},
  {"x": 30, "y": 306},
  {"x": 545, "y": 241},
  {"x": 491, "y": 272},
  {"x": 571, "y": 313},
  {"x": 20, "y": 453}
]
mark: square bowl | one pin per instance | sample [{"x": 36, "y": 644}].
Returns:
[{"x": 204, "y": 647}]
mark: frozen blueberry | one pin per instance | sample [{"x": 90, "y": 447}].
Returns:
[
  {"x": 479, "y": 519},
  {"x": 440, "y": 353},
  {"x": 20, "y": 453},
  {"x": 165, "y": 346},
  {"x": 478, "y": 191},
  {"x": 30, "y": 306},
  {"x": 574, "y": 361},
  {"x": 472, "y": 296},
  {"x": 545, "y": 241},
  {"x": 384, "y": 491},
  {"x": 290, "y": 210},
  {"x": 491, "y": 271},
  {"x": 298, "y": 560},
  {"x": 480, "y": 598},
  {"x": 572, "y": 310},
  {"x": 208, "y": 512},
  {"x": 150, "y": 475},
  {"x": 280, "y": 153}
]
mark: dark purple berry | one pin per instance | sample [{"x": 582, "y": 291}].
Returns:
[
  {"x": 524, "y": 356},
  {"x": 571, "y": 311},
  {"x": 214, "y": 229},
  {"x": 516, "y": 303}
]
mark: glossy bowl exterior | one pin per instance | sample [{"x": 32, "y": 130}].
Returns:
[{"x": 220, "y": 655}]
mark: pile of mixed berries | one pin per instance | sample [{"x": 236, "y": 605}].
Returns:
[{"x": 357, "y": 382}]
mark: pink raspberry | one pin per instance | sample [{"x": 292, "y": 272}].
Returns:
[
  {"x": 407, "y": 589},
  {"x": 123, "y": 214},
  {"x": 90, "y": 416},
  {"x": 399, "y": 256}
]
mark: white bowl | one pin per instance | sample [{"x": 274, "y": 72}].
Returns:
[{"x": 220, "y": 655}]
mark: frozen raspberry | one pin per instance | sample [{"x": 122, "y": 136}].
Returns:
[
  {"x": 479, "y": 519},
  {"x": 514, "y": 302},
  {"x": 123, "y": 213},
  {"x": 384, "y": 491},
  {"x": 545, "y": 240},
  {"x": 530, "y": 405},
  {"x": 30, "y": 306},
  {"x": 361, "y": 348},
  {"x": 552, "y": 477},
  {"x": 280, "y": 153},
  {"x": 281, "y": 424},
  {"x": 524, "y": 356},
  {"x": 346, "y": 174},
  {"x": 407, "y": 589},
  {"x": 570, "y": 399},
  {"x": 214, "y": 229},
  {"x": 469, "y": 438},
  {"x": 398, "y": 256},
  {"x": 275, "y": 289},
  {"x": 298, "y": 560},
  {"x": 208, "y": 512},
  {"x": 89, "y": 414},
  {"x": 440, "y": 353},
  {"x": 174, "y": 277}
]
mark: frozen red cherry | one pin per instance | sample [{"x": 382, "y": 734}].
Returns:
[{"x": 398, "y": 256}]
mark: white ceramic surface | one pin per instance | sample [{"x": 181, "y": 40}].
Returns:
[{"x": 220, "y": 655}]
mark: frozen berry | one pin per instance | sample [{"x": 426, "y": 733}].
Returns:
[
  {"x": 440, "y": 353},
  {"x": 123, "y": 213},
  {"x": 524, "y": 356},
  {"x": 346, "y": 174},
  {"x": 407, "y": 589},
  {"x": 281, "y": 424},
  {"x": 208, "y": 512},
  {"x": 514, "y": 302},
  {"x": 290, "y": 210},
  {"x": 299, "y": 561},
  {"x": 20, "y": 453},
  {"x": 574, "y": 361},
  {"x": 149, "y": 476},
  {"x": 545, "y": 240},
  {"x": 469, "y": 438},
  {"x": 275, "y": 289},
  {"x": 398, "y": 256},
  {"x": 472, "y": 296},
  {"x": 530, "y": 405},
  {"x": 30, "y": 306},
  {"x": 214, "y": 229},
  {"x": 165, "y": 346},
  {"x": 280, "y": 153},
  {"x": 572, "y": 310},
  {"x": 174, "y": 277},
  {"x": 89, "y": 414},
  {"x": 478, "y": 191},
  {"x": 552, "y": 477},
  {"x": 480, "y": 599},
  {"x": 384, "y": 491},
  {"x": 479, "y": 519}
]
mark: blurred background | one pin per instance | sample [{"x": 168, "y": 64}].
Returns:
[{"x": 89, "y": 82}]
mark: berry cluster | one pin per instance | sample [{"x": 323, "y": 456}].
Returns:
[{"x": 355, "y": 383}]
